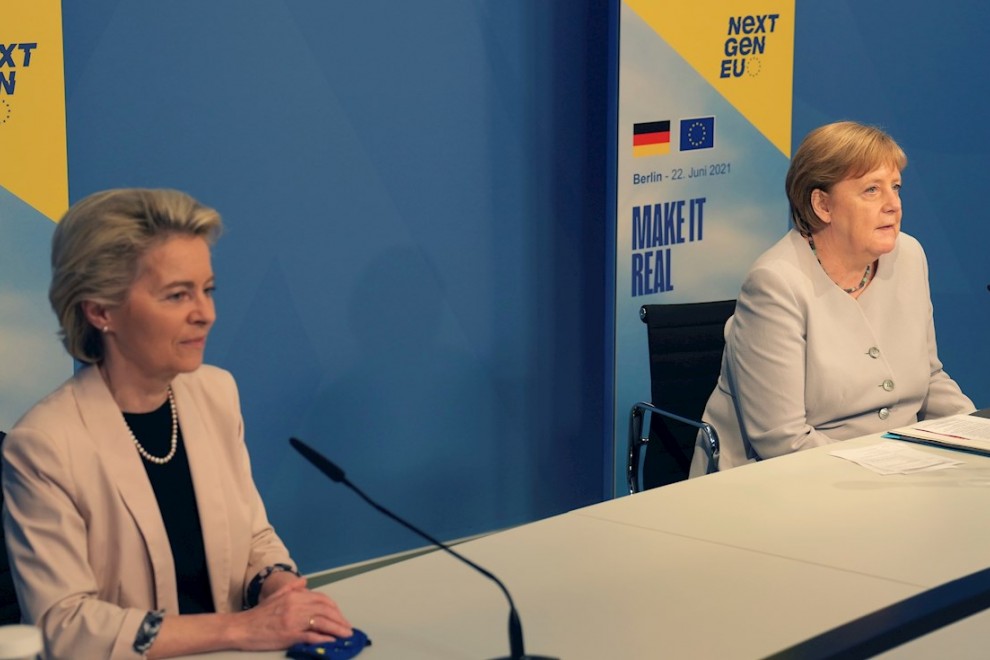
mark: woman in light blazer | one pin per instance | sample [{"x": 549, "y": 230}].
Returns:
[
  {"x": 132, "y": 521},
  {"x": 833, "y": 334}
]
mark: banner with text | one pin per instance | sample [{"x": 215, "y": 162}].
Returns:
[
  {"x": 704, "y": 132},
  {"x": 33, "y": 195}
]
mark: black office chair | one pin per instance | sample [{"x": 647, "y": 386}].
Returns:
[
  {"x": 10, "y": 611},
  {"x": 686, "y": 343}
]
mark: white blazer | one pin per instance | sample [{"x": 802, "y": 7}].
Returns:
[
  {"x": 806, "y": 364},
  {"x": 88, "y": 548}
]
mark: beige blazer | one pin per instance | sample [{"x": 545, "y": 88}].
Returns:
[
  {"x": 88, "y": 547},
  {"x": 806, "y": 364}
]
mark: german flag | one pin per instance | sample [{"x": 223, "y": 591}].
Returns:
[{"x": 651, "y": 138}]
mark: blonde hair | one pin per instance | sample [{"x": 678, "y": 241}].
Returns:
[
  {"x": 830, "y": 154},
  {"x": 97, "y": 247}
]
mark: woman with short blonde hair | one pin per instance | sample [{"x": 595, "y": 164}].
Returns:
[
  {"x": 833, "y": 335},
  {"x": 132, "y": 522}
]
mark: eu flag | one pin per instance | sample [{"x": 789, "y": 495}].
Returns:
[{"x": 697, "y": 133}]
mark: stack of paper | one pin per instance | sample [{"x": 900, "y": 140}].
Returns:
[
  {"x": 964, "y": 432},
  {"x": 891, "y": 458}
]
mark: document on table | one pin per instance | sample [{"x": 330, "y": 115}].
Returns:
[
  {"x": 892, "y": 458},
  {"x": 965, "y": 432}
]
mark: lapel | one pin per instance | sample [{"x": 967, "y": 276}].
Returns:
[
  {"x": 200, "y": 438},
  {"x": 113, "y": 443}
]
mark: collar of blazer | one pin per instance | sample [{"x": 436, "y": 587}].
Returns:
[
  {"x": 113, "y": 442},
  {"x": 810, "y": 264}
]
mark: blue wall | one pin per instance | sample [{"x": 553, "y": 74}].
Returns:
[
  {"x": 919, "y": 70},
  {"x": 413, "y": 277}
]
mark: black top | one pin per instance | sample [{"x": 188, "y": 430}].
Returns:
[{"x": 176, "y": 497}]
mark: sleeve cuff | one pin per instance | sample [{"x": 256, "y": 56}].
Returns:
[{"x": 253, "y": 591}]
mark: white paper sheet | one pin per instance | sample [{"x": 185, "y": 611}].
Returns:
[{"x": 893, "y": 458}]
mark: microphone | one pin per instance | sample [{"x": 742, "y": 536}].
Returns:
[{"x": 335, "y": 474}]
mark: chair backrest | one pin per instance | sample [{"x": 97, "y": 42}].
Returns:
[
  {"x": 10, "y": 611},
  {"x": 686, "y": 342}
]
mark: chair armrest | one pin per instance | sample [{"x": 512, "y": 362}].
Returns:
[{"x": 637, "y": 442}]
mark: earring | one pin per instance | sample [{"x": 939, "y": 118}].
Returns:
[{"x": 105, "y": 329}]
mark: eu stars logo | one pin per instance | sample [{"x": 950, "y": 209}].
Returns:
[{"x": 697, "y": 133}]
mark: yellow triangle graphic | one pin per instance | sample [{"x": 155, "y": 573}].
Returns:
[
  {"x": 33, "y": 161},
  {"x": 743, "y": 48}
]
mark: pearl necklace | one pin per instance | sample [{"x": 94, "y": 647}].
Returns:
[
  {"x": 862, "y": 282},
  {"x": 175, "y": 436}
]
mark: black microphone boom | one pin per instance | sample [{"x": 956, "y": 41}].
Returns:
[{"x": 334, "y": 473}]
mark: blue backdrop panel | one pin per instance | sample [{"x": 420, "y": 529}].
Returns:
[
  {"x": 916, "y": 69},
  {"x": 411, "y": 276},
  {"x": 33, "y": 360}
]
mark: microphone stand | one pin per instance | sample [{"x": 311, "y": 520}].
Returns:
[{"x": 335, "y": 474}]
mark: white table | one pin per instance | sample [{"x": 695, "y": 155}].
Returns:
[
  {"x": 918, "y": 529},
  {"x": 734, "y": 565}
]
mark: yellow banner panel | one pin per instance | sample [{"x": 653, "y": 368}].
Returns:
[
  {"x": 34, "y": 164},
  {"x": 743, "y": 48}
]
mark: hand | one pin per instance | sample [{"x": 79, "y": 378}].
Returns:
[{"x": 289, "y": 615}]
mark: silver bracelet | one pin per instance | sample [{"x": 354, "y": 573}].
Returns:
[{"x": 253, "y": 592}]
